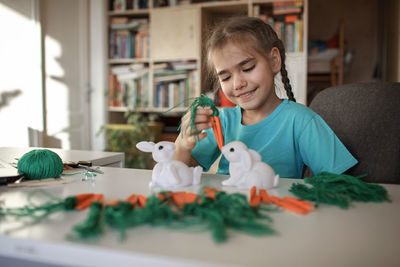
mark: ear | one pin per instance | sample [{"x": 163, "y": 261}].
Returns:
[
  {"x": 247, "y": 160},
  {"x": 145, "y": 146},
  {"x": 275, "y": 60}
]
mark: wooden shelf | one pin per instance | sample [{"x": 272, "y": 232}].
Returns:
[
  {"x": 177, "y": 34},
  {"x": 129, "y": 12}
]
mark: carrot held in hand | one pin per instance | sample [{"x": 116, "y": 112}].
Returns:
[{"x": 217, "y": 129}]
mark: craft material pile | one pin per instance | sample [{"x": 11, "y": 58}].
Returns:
[{"x": 211, "y": 209}]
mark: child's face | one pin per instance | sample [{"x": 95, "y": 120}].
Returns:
[{"x": 247, "y": 79}]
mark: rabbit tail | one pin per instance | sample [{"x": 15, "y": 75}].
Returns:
[{"x": 197, "y": 171}]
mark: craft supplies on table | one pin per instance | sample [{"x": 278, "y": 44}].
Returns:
[{"x": 367, "y": 229}]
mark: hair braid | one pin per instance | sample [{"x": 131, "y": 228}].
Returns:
[
  {"x": 286, "y": 83},
  {"x": 284, "y": 73}
]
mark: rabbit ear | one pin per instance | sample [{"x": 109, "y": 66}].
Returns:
[
  {"x": 247, "y": 160},
  {"x": 145, "y": 146}
]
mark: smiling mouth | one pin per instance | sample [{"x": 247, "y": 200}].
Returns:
[{"x": 247, "y": 94}]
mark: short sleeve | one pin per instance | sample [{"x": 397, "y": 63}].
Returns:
[{"x": 322, "y": 150}]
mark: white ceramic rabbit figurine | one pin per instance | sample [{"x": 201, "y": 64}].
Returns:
[
  {"x": 169, "y": 172},
  {"x": 247, "y": 169}
]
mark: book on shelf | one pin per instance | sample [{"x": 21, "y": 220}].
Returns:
[
  {"x": 168, "y": 72},
  {"x": 128, "y": 86},
  {"x": 169, "y": 94},
  {"x": 118, "y": 5},
  {"x": 129, "y": 38},
  {"x": 122, "y": 5},
  {"x": 286, "y": 19},
  {"x": 124, "y": 23},
  {"x": 173, "y": 87},
  {"x": 170, "y": 78},
  {"x": 184, "y": 65}
]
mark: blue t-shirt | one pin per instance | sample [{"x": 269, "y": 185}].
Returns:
[{"x": 289, "y": 138}]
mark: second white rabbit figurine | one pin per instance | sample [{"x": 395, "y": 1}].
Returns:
[
  {"x": 169, "y": 172},
  {"x": 246, "y": 168}
]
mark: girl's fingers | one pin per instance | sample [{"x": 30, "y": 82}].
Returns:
[{"x": 193, "y": 138}]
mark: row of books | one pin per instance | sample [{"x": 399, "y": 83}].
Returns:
[
  {"x": 122, "y": 5},
  {"x": 286, "y": 18},
  {"x": 129, "y": 85},
  {"x": 174, "y": 88},
  {"x": 129, "y": 38}
]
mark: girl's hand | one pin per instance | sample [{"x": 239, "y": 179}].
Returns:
[{"x": 187, "y": 138}]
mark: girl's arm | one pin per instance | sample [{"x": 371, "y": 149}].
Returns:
[{"x": 188, "y": 136}]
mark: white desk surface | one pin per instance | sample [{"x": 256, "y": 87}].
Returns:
[
  {"x": 98, "y": 158},
  {"x": 368, "y": 234}
]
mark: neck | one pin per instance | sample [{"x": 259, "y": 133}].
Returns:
[{"x": 250, "y": 117}]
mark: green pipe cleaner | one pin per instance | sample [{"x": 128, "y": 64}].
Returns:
[{"x": 339, "y": 190}]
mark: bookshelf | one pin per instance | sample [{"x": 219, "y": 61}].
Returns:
[{"x": 155, "y": 54}]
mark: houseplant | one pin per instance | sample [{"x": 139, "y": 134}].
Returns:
[{"x": 124, "y": 137}]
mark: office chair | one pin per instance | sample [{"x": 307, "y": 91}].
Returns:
[{"x": 366, "y": 118}]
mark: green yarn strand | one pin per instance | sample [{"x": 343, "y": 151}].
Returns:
[
  {"x": 39, "y": 164},
  {"x": 201, "y": 101},
  {"x": 339, "y": 190},
  {"x": 92, "y": 227}
]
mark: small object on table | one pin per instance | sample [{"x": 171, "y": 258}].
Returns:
[
  {"x": 169, "y": 172},
  {"x": 247, "y": 169}
]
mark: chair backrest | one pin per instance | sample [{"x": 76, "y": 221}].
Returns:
[{"x": 366, "y": 118}]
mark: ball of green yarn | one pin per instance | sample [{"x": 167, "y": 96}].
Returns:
[{"x": 39, "y": 164}]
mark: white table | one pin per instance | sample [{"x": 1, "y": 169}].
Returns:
[
  {"x": 368, "y": 234},
  {"x": 98, "y": 158}
]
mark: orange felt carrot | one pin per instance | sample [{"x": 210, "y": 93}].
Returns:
[
  {"x": 255, "y": 201},
  {"x": 288, "y": 205},
  {"x": 217, "y": 129},
  {"x": 166, "y": 195},
  {"x": 264, "y": 196},
  {"x": 210, "y": 192},
  {"x": 254, "y": 198},
  {"x": 301, "y": 203},
  {"x": 253, "y": 192},
  {"x": 190, "y": 197},
  {"x": 99, "y": 198},
  {"x": 87, "y": 201},
  {"x": 141, "y": 200},
  {"x": 112, "y": 202},
  {"x": 179, "y": 199},
  {"x": 182, "y": 198},
  {"x": 82, "y": 197},
  {"x": 131, "y": 199},
  {"x": 161, "y": 196}
]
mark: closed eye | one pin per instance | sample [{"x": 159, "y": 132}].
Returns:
[
  {"x": 249, "y": 69},
  {"x": 225, "y": 78}
]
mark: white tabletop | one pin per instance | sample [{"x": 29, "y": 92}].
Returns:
[
  {"x": 366, "y": 234},
  {"x": 98, "y": 158}
]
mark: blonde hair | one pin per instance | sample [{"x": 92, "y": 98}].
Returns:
[{"x": 254, "y": 31}]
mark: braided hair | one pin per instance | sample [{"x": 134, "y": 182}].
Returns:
[{"x": 263, "y": 38}]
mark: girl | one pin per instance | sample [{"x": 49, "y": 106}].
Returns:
[{"x": 245, "y": 54}]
